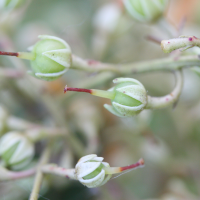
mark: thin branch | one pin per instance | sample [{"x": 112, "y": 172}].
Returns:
[
  {"x": 54, "y": 169},
  {"x": 6, "y": 175},
  {"x": 39, "y": 175},
  {"x": 164, "y": 64},
  {"x": 160, "y": 102},
  {"x": 39, "y": 133},
  {"x": 184, "y": 42}
]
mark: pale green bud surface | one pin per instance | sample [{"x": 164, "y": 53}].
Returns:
[
  {"x": 52, "y": 58},
  {"x": 90, "y": 171},
  {"x": 130, "y": 97},
  {"x": 16, "y": 150},
  {"x": 145, "y": 10}
]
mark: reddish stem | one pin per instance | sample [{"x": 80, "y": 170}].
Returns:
[
  {"x": 138, "y": 164},
  {"x": 77, "y": 90},
  {"x": 9, "y": 53}
]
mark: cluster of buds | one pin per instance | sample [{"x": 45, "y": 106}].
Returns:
[
  {"x": 128, "y": 97},
  {"x": 91, "y": 171},
  {"x": 50, "y": 57},
  {"x": 16, "y": 150},
  {"x": 145, "y": 10}
]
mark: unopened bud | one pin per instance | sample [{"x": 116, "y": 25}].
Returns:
[
  {"x": 92, "y": 172},
  {"x": 128, "y": 97},
  {"x": 16, "y": 150},
  {"x": 145, "y": 10},
  {"x": 52, "y": 58}
]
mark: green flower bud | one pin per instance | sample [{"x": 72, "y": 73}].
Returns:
[
  {"x": 52, "y": 58},
  {"x": 10, "y": 4},
  {"x": 145, "y": 10},
  {"x": 130, "y": 97},
  {"x": 90, "y": 171},
  {"x": 16, "y": 151}
]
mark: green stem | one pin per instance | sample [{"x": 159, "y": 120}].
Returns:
[
  {"x": 163, "y": 64},
  {"x": 60, "y": 171},
  {"x": 184, "y": 42},
  {"x": 40, "y": 133},
  {"x": 39, "y": 175},
  {"x": 6, "y": 175},
  {"x": 103, "y": 93},
  {"x": 161, "y": 102},
  {"x": 26, "y": 55}
]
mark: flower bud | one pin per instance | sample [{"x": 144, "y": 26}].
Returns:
[
  {"x": 16, "y": 151},
  {"x": 10, "y": 4},
  {"x": 145, "y": 10},
  {"x": 92, "y": 172},
  {"x": 51, "y": 58},
  {"x": 130, "y": 97}
]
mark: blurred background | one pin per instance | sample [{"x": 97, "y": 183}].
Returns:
[{"x": 167, "y": 139}]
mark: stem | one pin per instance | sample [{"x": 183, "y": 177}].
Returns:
[
  {"x": 54, "y": 169},
  {"x": 3, "y": 53},
  {"x": 6, "y": 175},
  {"x": 104, "y": 94},
  {"x": 16, "y": 123},
  {"x": 181, "y": 42},
  {"x": 40, "y": 133},
  {"x": 39, "y": 175},
  {"x": 163, "y": 64},
  {"x": 99, "y": 93},
  {"x": 26, "y": 55},
  {"x": 115, "y": 170},
  {"x": 161, "y": 102},
  {"x": 22, "y": 55}
]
